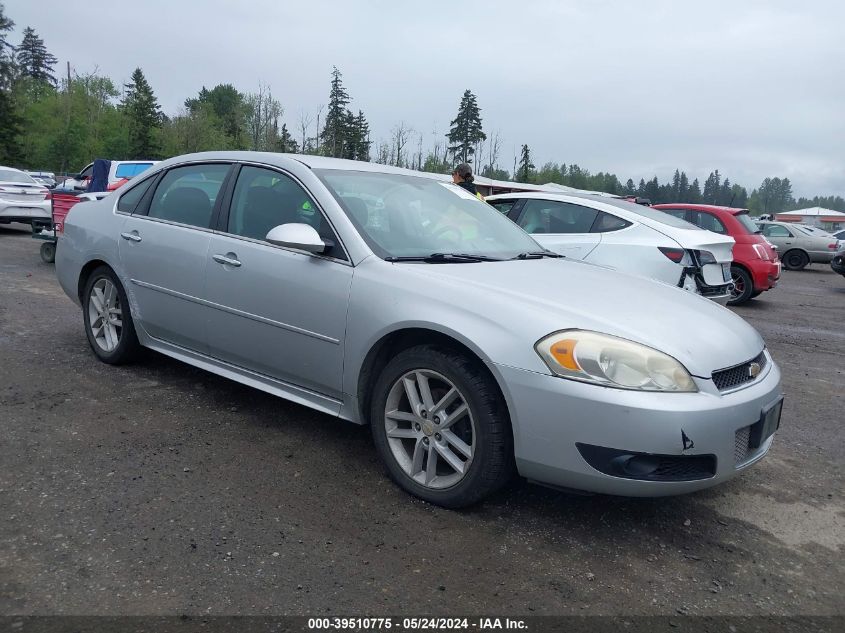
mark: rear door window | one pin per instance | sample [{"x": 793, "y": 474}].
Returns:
[
  {"x": 555, "y": 217},
  {"x": 187, "y": 194},
  {"x": 606, "y": 222},
  {"x": 129, "y": 201}
]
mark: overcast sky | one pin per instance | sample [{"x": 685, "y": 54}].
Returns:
[{"x": 752, "y": 88}]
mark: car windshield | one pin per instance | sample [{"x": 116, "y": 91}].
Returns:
[
  {"x": 409, "y": 216},
  {"x": 747, "y": 223},
  {"x": 13, "y": 175}
]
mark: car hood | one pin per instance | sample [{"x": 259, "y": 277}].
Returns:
[{"x": 536, "y": 297}]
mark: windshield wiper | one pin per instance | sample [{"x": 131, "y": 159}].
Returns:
[
  {"x": 444, "y": 258},
  {"x": 538, "y": 255}
]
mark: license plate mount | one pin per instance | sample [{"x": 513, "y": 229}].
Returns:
[{"x": 766, "y": 426}]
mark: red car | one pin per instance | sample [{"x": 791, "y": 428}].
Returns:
[{"x": 756, "y": 267}]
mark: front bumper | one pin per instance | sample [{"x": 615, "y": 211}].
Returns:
[{"x": 550, "y": 415}]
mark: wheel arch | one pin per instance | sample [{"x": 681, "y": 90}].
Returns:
[
  {"x": 404, "y": 338},
  {"x": 796, "y": 248},
  {"x": 86, "y": 271}
]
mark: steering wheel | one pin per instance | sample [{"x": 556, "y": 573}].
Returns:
[{"x": 449, "y": 228}]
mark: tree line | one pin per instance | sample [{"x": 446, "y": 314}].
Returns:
[{"x": 61, "y": 124}]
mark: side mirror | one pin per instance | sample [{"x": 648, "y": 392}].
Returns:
[{"x": 301, "y": 236}]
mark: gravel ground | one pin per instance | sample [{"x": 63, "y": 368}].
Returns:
[{"x": 161, "y": 489}]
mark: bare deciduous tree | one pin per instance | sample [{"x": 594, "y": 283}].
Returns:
[{"x": 401, "y": 134}]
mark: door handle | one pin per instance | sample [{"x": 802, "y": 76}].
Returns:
[
  {"x": 132, "y": 237},
  {"x": 226, "y": 259}
]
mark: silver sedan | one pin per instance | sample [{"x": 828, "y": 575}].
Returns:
[{"x": 387, "y": 297}]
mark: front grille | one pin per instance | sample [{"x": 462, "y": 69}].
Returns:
[
  {"x": 733, "y": 377},
  {"x": 683, "y": 468},
  {"x": 741, "y": 447}
]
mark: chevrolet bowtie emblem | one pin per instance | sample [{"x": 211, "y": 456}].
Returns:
[{"x": 754, "y": 370}]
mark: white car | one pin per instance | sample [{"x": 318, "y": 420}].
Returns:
[
  {"x": 119, "y": 170},
  {"x": 629, "y": 237},
  {"x": 22, "y": 199}
]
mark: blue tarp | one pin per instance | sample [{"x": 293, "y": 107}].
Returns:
[{"x": 100, "y": 176}]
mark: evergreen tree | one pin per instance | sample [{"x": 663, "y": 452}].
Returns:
[
  {"x": 362, "y": 142},
  {"x": 630, "y": 189},
  {"x": 675, "y": 193},
  {"x": 287, "y": 144},
  {"x": 523, "y": 172},
  {"x": 710, "y": 195},
  {"x": 694, "y": 193},
  {"x": 334, "y": 131},
  {"x": 33, "y": 59},
  {"x": 143, "y": 117},
  {"x": 7, "y": 51},
  {"x": 465, "y": 129},
  {"x": 683, "y": 188},
  {"x": 641, "y": 189}
]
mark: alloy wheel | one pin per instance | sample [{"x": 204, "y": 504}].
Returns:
[
  {"x": 430, "y": 429},
  {"x": 105, "y": 315}
]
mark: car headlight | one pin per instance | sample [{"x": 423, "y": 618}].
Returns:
[{"x": 613, "y": 362}]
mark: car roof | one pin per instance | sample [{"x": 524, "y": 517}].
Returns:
[
  {"x": 13, "y": 169},
  {"x": 701, "y": 207},
  {"x": 313, "y": 162}
]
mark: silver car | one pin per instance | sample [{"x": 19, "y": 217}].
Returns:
[
  {"x": 387, "y": 297},
  {"x": 797, "y": 245}
]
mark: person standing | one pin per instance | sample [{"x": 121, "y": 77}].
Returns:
[{"x": 462, "y": 176}]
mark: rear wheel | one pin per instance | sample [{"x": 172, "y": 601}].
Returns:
[
  {"x": 441, "y": 427},
  {"x": 108, "y": 322},
  {"x": 743, "y": 288},
  {"x": 795, "y": 260}
]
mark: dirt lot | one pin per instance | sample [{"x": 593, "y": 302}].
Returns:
[{"x": 161, "y": 489}]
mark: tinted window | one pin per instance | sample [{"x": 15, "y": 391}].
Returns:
[
  {"x": 131, "y": 198},
  {"x": 551, "y": 216},
  {"x": 264, "y": 199},
  {"x": 503, "y": 205},
  {"x": 774, "y": 230},
  {"x": 88, "y": 171},
  {"x": 187, "y": 194},
  {"x": 708, "y": 222},
  {"x": 607, "y": 222}
]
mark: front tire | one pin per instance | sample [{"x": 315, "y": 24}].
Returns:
[
  {"x": 795, "y": 260},
  {"x": 743, "y": 286},
  {"x": 441, "y": 427},
  {"x": 108, "y": 322}
]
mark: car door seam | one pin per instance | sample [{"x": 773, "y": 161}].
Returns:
[{"x": 235, "y": 311}]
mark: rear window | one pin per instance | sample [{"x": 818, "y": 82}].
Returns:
[
  {"x": 647, "y": 212},
  {"x": 13, "y": 175},
  {"x": 747, "y": 223}
]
